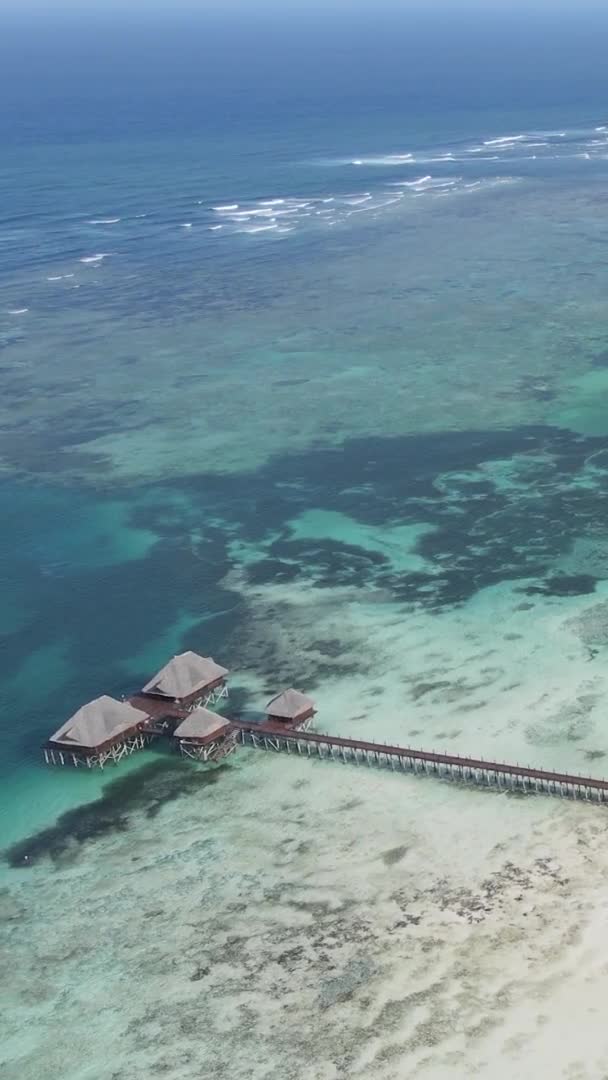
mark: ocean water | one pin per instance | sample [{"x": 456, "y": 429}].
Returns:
[{"x": 304, "y": 357}]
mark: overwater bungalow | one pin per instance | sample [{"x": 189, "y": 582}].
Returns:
[
  {"x": 189, "y": 680},
  {"x": 205, "y": 735},
  {"x": 291, "y": 708},
  {"x": 104, "y": 729}
]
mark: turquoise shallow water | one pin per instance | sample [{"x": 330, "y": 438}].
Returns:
[{"x": 309, "y": 374}]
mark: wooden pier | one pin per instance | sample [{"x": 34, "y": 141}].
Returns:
[
  {"x": 173, "y": 705},
  {"x": 403, "y": 759}
]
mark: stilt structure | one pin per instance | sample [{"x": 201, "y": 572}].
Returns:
[
  {"x": 205, "y": 736},
  {"x": 496, "y": 774},
  {"x": 103, "y": 730},
  {"x": 290, "y": 709},
  {"x": 189, "y": 680}
]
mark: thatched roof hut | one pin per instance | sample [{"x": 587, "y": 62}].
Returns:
[
  {"x": 186, "y": 676},
  {"x": 202, "y": 726},
  {"x": 290, "y": 707},
  {"x": 99, "y": 723}
]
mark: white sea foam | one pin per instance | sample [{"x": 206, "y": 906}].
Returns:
[
  {"x": 56, "y": 277},
  {"x": 258, "y": 212},
  {"x": 505, "y": 140},
  {"x": 268, "y": 214},
  {"x": 186, "y": 225},
  {"x": 412, "y": 183},
  {"x": 386, "y": 159},
  {"x": 214, "y": 228},
  {"x": 381, "y": 205},
  {"x": 259, "y": 229},
  {"x": 95, "y": 258},
  {"x": 426, "y": 183},
  {"x": 494, "y": 148},
  {"x": 104, "y": 221},
  {"x": 18, "y": 311}
]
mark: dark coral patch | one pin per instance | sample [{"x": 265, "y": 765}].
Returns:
[
  {"x": 565, "y": 585},
  {"x": 145, "y": 791}
]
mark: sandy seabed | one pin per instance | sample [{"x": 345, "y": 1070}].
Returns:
[{"x": 301, "y": 920}]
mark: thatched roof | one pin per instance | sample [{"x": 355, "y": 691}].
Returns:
[
  {"x": 99, "y": 722},
  {"x": 184, "y": 675},
  {"x": 201, "y": 724},
  {"x": 289, "y": 705}
]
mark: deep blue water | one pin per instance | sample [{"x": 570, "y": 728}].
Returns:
[{"x": 262, "y": 92}]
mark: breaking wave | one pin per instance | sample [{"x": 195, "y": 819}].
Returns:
[
  {"x": 95, "y": 258},
  {"x": 550, "y": 145},
  {"x": 403, "y": 176},
  {"x": 284, "y": 214}
]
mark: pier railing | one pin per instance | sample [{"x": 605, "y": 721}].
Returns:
[{"x": 450, "y": 766}]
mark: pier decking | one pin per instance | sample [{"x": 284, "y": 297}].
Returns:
[{"x": 450, "y": 766}]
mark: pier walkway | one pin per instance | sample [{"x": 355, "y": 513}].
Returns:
[
  {"x": 279, "y": 736},
  {"x": 472, "y": 770}
]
